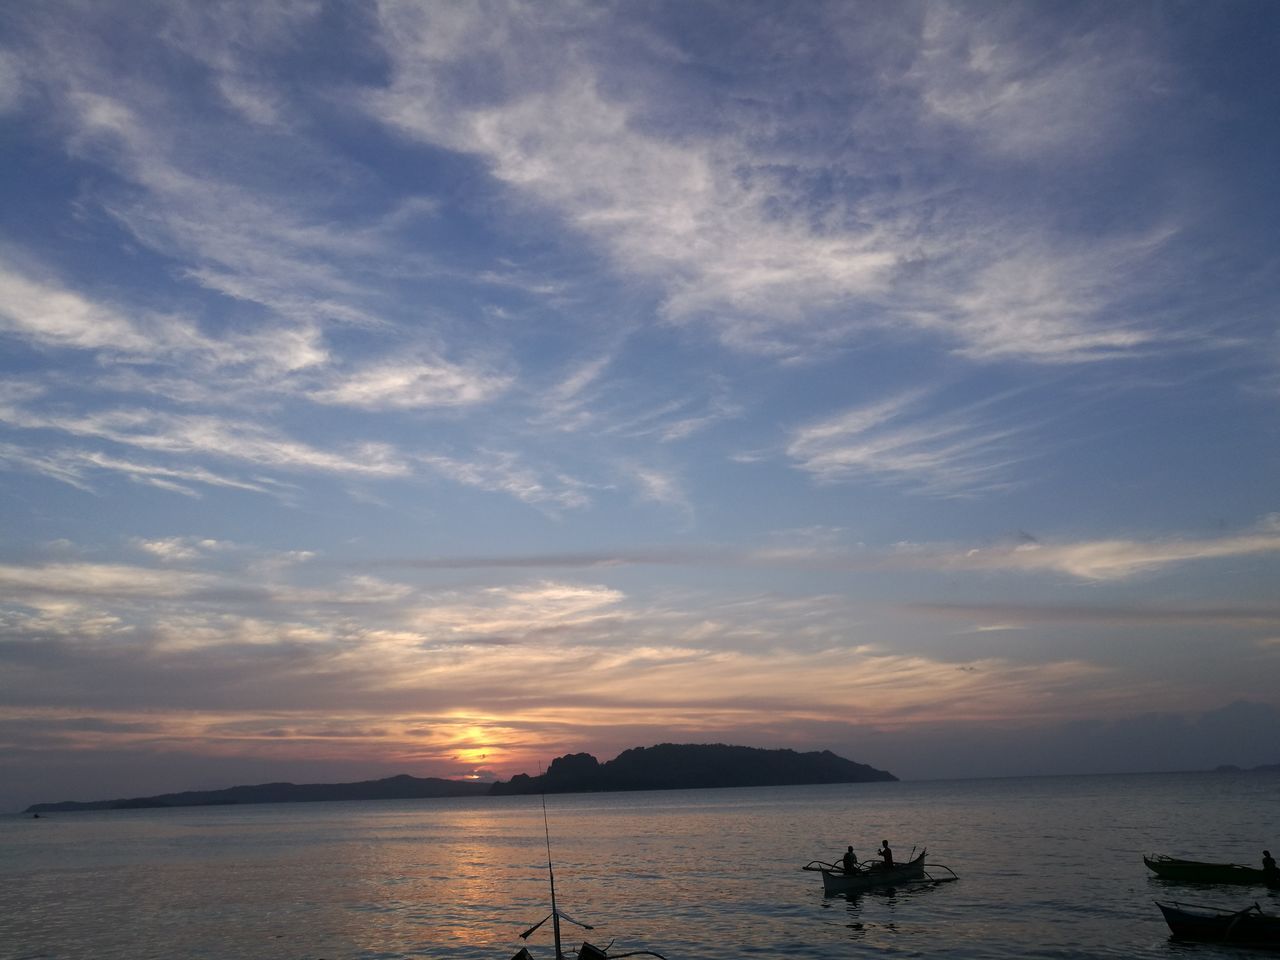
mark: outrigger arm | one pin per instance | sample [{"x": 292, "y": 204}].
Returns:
[{"x": 563, "y": 916}]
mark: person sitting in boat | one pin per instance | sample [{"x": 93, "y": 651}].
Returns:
[
  {"x": 885, "y": 854},
  {"x": 1269, "y": 872},
  {"x": 849, "y": 861}
]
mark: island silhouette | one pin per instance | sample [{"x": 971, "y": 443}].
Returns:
[
  {"x": 401, "y": 787},
  {"x": 673, "y": 766},
  {"x": 666, "y": 766}
]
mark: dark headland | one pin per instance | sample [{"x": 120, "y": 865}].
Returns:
[
  {"x": 667, "y": 766},
  {"x": 673, "y": 766}
]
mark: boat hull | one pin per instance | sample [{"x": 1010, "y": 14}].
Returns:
[
  {"x": 1194, "y": 871},
  {"x": 837, "y": 881},
  {"x": 1249, "y": 927}
]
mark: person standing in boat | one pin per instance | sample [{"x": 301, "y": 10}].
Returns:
[
  {"x": 885, "y": 854},
  {"x": 1269, "y": 872},
  {"x": 849, "y": 861}
]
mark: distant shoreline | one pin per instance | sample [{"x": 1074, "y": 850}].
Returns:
[
  {"x": 484, "y": 788},
  {"x": 665, "y": 766}
]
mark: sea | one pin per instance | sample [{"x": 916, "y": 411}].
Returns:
[{"x": 1048, "y": 867}]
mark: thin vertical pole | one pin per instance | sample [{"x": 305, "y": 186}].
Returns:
[{"x": 555, "y": 912}]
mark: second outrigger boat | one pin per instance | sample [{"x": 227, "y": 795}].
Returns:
[{"x": 1196, "y": 871}]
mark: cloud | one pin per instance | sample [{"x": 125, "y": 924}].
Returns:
[
  {"x": 518, "y": 612},
  {"x": 1012, "y": 616},
  {"x": 99, "y": 580},
  {"x": 179, "y": 549},
  {"x": 669, "y": 210},
  {"x": 49, "y": 315},
  {"x": 570, "y": 404},
  {"x": 1102, "y": 559},
  {"x": 76, "y": 467},
  {"x": 208, "y": 435},
  {"x": 248, "y": 244},
  {"x": 207, "y": 193},
  {"x": 1043, "y": 304},
  {"x": 253, "y": 691},
  {"x": 1093, "y": 560},
  {"x": 894, "y": 440},
  {"x": 660, "y": 487},
  {"x": 429, "y": 382},
  {"x": 1025, "y": 88},
  {"x": 503, "y": 471},
  {"x": 11, "y": 83},
  {"x": 728, "y": 225}
]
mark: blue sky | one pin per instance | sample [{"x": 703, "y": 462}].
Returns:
[{"x": 440, "y": 388}]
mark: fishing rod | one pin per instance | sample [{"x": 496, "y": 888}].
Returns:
[
  {"x": 555, "y": 913},
  {"x": 588, "y": 951}
]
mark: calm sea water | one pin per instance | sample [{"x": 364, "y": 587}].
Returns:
[{"x": 1049, "y": 867}]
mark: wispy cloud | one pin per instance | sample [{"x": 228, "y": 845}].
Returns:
[
  {"x": 78, "y": 468},
  {"x": 700, "y": 215},
  {"x": 424, "y": 383},
  {"x": 207, "y": 435},
  {"x": 1097, "y": 560},
  {"x": 517, "y": 613},
  {"x": 661, "y": 487},
  {"x": 569, "y": 404},
  {"x": 178, "y": 549},
  {"x": 1009, "y": 616},
  {"x": 999, "y": 77},
  {"x": 49, "y": 315},
  {"x": 506, "y": 472},
  {"x": 1104, "y": 559},
  {"x": 898, "y": 440},
  {"x": 99, "y": 580},
  {"x": 1044, "y": 304}
]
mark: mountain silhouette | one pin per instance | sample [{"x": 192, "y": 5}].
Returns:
[{"x": 671, "y": 766}]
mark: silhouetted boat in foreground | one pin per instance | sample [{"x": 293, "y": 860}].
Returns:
[
  {"x": 873, "y": 876},
  {"x": 1249, "y": 927},
  {"x": 1195, "y": 871},
  {"x": 588, "y": 951}
]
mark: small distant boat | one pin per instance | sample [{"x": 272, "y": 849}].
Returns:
[
  {"x": 1249, "y": 927},
  {"x": 1195, "y": 871},
  {"x": 872, "y": 876}
]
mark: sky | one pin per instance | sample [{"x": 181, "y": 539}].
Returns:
[{"x": 440, "y": 388}]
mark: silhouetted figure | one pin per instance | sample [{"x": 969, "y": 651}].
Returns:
[
  {"x": 1269, "y": 872},
  {"x": 36, "y": 816},
  {"x": 850, "y": 861},
  {"x": 885, "y": 853}
]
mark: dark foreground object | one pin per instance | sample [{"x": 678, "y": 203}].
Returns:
[
  {"x": 1195, "y": 871},
  {"x": 1249, "y": 927},
  {"x": 590, "y": 951}
]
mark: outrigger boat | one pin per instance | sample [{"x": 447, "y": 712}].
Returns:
[
  {"x": 1249, "y": 927},
  {"x": 1195, "y": 871},
  {"x": 588, "y": 951},
  {"x": 872, "y": 875}
]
